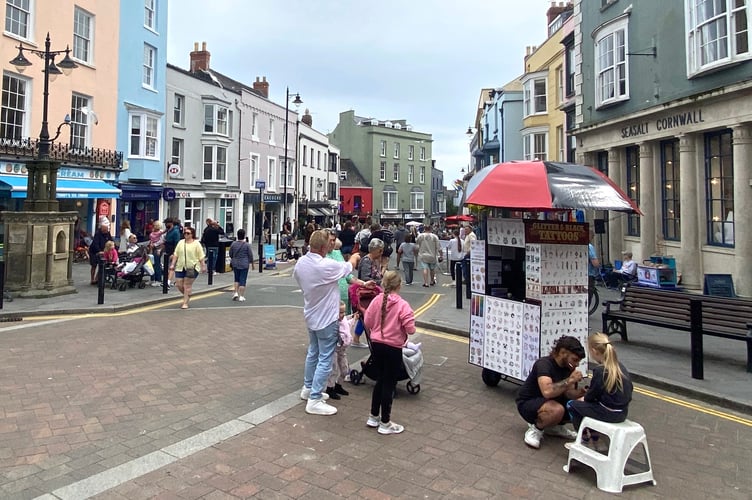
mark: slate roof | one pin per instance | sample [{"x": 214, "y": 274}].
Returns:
[{"x": 354, "y": 178}]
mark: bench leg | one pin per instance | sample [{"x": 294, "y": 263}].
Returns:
[{"x": 617, "y": 326}]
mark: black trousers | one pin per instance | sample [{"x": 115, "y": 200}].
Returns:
[
  {"x": 387, "y": 361},
  {"x": 581, "y": 409}
]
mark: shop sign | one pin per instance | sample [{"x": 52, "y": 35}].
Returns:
[
  {"x": 561, "y": 233},
  {"x": 173, "y": 170},
  {"x": 678, "y": 121},
  {"x": 189, "y": 194},
  {"x": 230, "y": 196},
  {"x": 169, "y": 194}
]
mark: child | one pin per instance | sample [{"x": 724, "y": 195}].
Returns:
[
  {"x": 110, "y": 255},
  {"x": 610, "y": 390},
  {"x": 340, "y": 367}
]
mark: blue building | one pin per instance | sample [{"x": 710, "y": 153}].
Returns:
[{"x": 142, "y": 65}]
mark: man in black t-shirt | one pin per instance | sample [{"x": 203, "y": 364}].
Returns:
[{"x": 551, "y": 383}]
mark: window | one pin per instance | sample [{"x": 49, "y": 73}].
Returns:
[
  {"x": 79, "y": 124},
  {"x": 390, "y": 200},
  {"x": 383, "y": 149},
  {"x": 272, "y": 164},
  {"x": 271, "y": 131},
  {"x": 14, "y": 108},
  {"x": 144, "y": 135},
  {"x": 305, "y": 152},
  {"x": 411, "y": 152},
  {"x": 225, "y": 212},
  {"x": 422, "y": 153},
  {"x": 416, "y": 202},
  {"x": 178, "y": 110},
  {"x": 217, "y": 119},
  {"x": 82, "y": 34},
  {"x": 560, "y": 84},
  {"x": 318, "y": 160},
  {"x": 397, "y": 150},
  {"x": 254, "y": 127},
  {"x": 534, "y": 95},
  {"x": 633, "y": 188},
  {"x": 670, "y": 202},
  {"x": 410, "y": 174},
  {"x": 382, "y": 171},
  {"x": 215, "y": 163},
  {"x": 150, "y": 14},
  {"x": 717, "y": 33},
  {"x": 150, "y": 56},
  {"x": 312, "y": 156},
  {"x": 561, "y": 145},
  {"x": 535, "y": 146},
  {"x": 569, "y": 65},
  {"x": 178, "y": 146},
  {"x": 17, "y": 17},
  {"x": 254, "y": 170},
  {"x": 422, "y": 179},
  {"x": 290, "y": 173},
  {"x": 358, "y": 203},
  {"x": 192, "y": 212},
  {"x": 719, "y": 187},
  {"x": 611, "y": 68},
  {"x": 396, "y": 172}
]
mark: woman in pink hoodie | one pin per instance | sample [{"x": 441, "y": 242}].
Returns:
[{"x": 389, "y": 319}]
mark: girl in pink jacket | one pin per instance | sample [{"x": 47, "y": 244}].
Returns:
[{"x": 389, "y": 319}]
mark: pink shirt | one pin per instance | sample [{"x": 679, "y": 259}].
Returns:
[{"x": 399, "y": 321}]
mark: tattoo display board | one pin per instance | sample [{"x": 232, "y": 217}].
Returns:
[{"x": 529, "y": 284}]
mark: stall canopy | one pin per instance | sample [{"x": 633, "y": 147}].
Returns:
[
  {"x": 315, "y": 213},
  {"x": 66, "y": 188},
  {"x": 326, "y": 211},
  {"x": 544, "y": 185},
  {"x": 459, "y": 218}
]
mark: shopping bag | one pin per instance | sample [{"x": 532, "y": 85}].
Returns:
[{"x": 149, "y": 267}]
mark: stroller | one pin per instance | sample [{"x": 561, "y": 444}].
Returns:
[
  {"x": 132, "y": 273},
  {"x": 412, "y": 359}
]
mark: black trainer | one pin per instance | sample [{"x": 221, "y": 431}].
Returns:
[
  {"x": 340, "y": 390},
  {"x": 332, "y": 393}
]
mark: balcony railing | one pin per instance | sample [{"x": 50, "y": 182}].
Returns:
[{"x": 94, "y": 157}]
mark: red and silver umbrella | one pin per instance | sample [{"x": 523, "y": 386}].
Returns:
[{"x": 546, "y": 185}]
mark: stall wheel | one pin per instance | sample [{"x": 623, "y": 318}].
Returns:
[
  {"x": 122, "y": 287},
  {"x": 490, "y": 377},
  {"x": 354, "y": 377},
  {"x": 413, "y": 389},
  {"x": 141, "y": 285}
]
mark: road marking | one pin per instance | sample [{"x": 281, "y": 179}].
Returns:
[{"x": 429, "y": 303}]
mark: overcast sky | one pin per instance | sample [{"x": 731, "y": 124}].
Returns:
[{"x": 420, "y": 60}]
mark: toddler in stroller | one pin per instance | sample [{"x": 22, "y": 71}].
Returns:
[
  {"x": 131, "y": 273},
  {"x": 412, "y": 355}
]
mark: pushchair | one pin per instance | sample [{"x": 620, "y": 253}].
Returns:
[
  {"x": 131, "y": 274},
  {"x": 412, "y": 359}
]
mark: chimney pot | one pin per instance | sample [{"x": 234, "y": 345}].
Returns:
[
  {"x": 203, "y": 46},
  {"x": 195, "y": 46},
  {"x": 200, "y": 58},
  {"x": 261, "y": 86}
]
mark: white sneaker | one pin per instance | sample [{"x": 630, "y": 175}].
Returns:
[
  {"x": 156, "y": 283},
  {"x": 560, "y": 431},
  {"x": 241, "y": 299},
  {"x": 305, "y": 393},
  {"x": 235, "y": 296},
  {"x": 373, "y": 421},
  {"x": 533, "y": 436},
  {"x": 390, "y": 428},
  {"x": 319, "y": 407}
]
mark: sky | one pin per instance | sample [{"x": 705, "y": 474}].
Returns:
[{"x": 424, "y": 61}]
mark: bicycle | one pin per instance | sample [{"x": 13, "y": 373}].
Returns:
[{"x": 594, "y": 298}]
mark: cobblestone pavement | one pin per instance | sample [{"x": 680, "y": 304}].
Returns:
[{"x": 169, "y": 404}]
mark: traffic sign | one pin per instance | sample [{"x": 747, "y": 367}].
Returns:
[{"x": 260, "y": 184}]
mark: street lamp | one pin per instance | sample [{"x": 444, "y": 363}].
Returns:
[
  {"x": 51, "y": 71},
  {"x": 297, "y": 102}
]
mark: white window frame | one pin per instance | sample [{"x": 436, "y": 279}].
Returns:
[
  {"x": 410, "y": 174},
  {"x": 83, "y": 35},
  {"x": 422, "y": 175},
  {"x": 192, "y": 212},
  {"x": 318, "y": 160},
  {"x": 535, "y": 144},
  {"x": 22, "y": 111},
  {"x": 215, "y": 163},
  {"x": 178, "y": 110},
  {"x": 560, "y": 84},
  {"x": 390, "y": 201},
  {"x": 697, "y": 29},
  {"x": 218, "y": 121},
  {"x": 382, "y": 171},
  {"x": 422, "y": 153},
  {"x": 396, "y": 150},
  {"x": 271, "y": 133},
  {"x": 150, "y": 60},
  {"x": 254, "y": 127},
  {"x": 80, "y": 136},
  {"x": 532, "y": 99},
  {"x": 290, "y": 173},
  {"x": 254, "y": 169},
  {"x": 150, "y": 14},
  {"x": 382, "y": 145},
  {"x": 305, "y": 154},
  {"x": 410, "y": 152},
  {"x": 561, "y": 143},
  {"x": 226, "y": 211},
  {"x": 396, "y": 172},
  {"x": 148, "y": 145},
  {"x": 177, "y": 159},
  {"x": 271, "y": 164},
  {"x": 417, "y": 201},
  {"x": 611, "y": 66},
  {"x": 24, "y": 20}
]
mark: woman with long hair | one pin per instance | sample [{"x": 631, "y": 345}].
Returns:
[
  {"x": 456, "y": 254},
  {"x": 125, "y": 232},
  {"x": 610, "y": 391},
  {"x": 186, "y": 262},
  {"x": 389, "y": 319}
]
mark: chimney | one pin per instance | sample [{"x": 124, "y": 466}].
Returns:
[
  {"x": 307, "y": 118},
  {"x": 557, "y": 9},
  {"x": 261, "y": 86},
  {"x": 200, "y": 58}
]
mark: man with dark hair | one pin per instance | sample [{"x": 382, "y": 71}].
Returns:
[
  {"x": 210, "y": 239},
  {"x": 551, "y": 383}
]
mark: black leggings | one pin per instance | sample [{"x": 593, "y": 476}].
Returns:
[
  {"x": 387, "y": 360},
  {"x": 581, "y": 409}
]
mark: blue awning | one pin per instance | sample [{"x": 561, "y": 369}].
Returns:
[{"x": 66, "y": 188}]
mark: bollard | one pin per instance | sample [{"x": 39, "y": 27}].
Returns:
[
  {"x": 466, "y": 269},
  {"x": 210, "y": 266},
  {"x": 695, "y": 320},
  {"x": 261, "y": 255},
  {"x": 100, "y": 281},
  {"x": 458, "y": 289},
  {"x": 165, "y": 272},
  {"x": 2, "y": 282}
]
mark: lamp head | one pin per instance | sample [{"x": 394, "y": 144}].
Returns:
[
  {"x": 469, "y": 131},
  {"x": 67, "y": 64},
  {"x": 20, "y": 61},
  {"x": 52, "y": 70},
  {"x": 67, "y": 119},
  {"x": 298, "y": 101}
]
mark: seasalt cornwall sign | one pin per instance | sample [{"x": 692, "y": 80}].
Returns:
[{"x": 678, "y": 120}]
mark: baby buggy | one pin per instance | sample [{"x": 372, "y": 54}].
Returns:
[
  {"x": 412, "y": 359},
  {"x": 131, "y": 273}
]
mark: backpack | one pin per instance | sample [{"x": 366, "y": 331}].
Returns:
[{"x": 364, "y": 242}]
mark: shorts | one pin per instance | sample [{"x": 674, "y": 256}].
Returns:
[
  {"x": 179, "y": 275},
  {"x": 241, "y": 276},
  {"x": 528, "y": 409},
  {"x": 427, "y": 265}
]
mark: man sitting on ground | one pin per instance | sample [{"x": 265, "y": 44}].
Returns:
[{"x": 551, "y": 383}]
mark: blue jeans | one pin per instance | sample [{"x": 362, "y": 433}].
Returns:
[
  {"x": 318, "y": 364},
  {"x": 211, "y": 258}
]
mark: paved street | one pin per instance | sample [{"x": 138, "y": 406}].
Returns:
[{"x": 153, "y": 401}]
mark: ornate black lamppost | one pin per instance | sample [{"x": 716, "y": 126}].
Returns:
[{"x": 296, "y": 102}]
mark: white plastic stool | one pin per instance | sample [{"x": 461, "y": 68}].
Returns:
[{"x": 609, "y": 468}]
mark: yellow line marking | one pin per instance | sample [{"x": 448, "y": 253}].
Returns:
[{"x": 429, "y": 303}]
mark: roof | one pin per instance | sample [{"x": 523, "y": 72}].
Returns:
[
  {"x": 217, "y": 79},
  {"x": 354, "y": 178}
]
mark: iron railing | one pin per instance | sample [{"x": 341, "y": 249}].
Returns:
[{"x": 93, "y": 157}]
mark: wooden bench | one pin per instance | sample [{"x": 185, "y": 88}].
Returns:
[{"x": 729, "y": 318}]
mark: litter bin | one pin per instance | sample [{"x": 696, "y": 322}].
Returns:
[{"x": 222, "y": 255}]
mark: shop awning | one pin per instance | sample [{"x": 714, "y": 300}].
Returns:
[
  {"x": 326, "y": 211},
  {"x": 315, "y": 213},
  {"x": 66, "y": 188}
]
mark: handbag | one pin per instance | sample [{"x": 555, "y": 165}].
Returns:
[{"x": 190, "y": 273}]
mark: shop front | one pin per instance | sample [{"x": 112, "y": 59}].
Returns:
[
  {"x": 268, "y": 216},
  {"x": 139, "y": 206}
]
